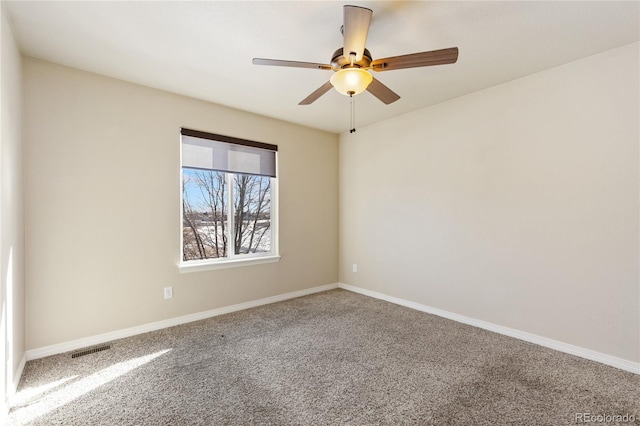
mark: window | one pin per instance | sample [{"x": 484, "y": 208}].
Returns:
[{"x": 229, "y": 201}]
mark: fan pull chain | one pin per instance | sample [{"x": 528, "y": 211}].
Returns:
[{"x": 352, "y": 117}]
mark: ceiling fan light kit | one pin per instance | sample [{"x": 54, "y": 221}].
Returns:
[
  {"x": 351, "y": 63},
  {"x": 351, "y": 81}
]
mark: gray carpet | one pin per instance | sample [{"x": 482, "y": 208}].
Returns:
[{"x": 331, "y": 358}]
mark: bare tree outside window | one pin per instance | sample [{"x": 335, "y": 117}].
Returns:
[
  {"x": 216, "y": 205},
  {"x": 252, "y": 207}
]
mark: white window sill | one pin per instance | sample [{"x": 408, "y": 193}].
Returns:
[{"x": 208, "y": 265}]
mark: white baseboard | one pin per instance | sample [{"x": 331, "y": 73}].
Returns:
[
  {"x": 623, "y": 364},
  {"x": 11, "y": 390},
  {"x": 4, "y": 412},
  {"x": 127, "y": 332},
  {"x": 15, "y": 382},
  {"x": 16, "y": 376}
]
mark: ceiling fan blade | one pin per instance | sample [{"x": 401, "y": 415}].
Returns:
[
  {"x": 382, "y": 92},
  {"x": 414, "y": 60},
  {"x": 316, "y": 94},
  {"x": 294, "y": 64},
  {"x": 355, "y": 30}
]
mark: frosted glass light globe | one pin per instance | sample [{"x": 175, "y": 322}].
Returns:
[{"x": 351, "y": 81}]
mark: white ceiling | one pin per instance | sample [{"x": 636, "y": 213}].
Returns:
[{"x": 204, "y": 49}]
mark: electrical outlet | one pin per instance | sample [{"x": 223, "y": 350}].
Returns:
[
  {"x": 168, "y": 292},
  {"x": 355, "y": 267}
]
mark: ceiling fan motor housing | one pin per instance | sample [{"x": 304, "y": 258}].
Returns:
[{"x": 339, "y": 60}]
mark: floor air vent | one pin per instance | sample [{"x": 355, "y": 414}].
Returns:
[{"x": 88, "y": 351}]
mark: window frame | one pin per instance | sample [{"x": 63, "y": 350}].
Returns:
[{"x": 232, "y": 260}]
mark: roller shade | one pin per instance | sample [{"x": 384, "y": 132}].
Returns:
[{"x": 208, "y": 151}]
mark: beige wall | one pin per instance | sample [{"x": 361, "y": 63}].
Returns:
[
  {"x": 102, "y": 206},
  {"x": 516, "y": 205},
  {"x": 12, "y": 334}
]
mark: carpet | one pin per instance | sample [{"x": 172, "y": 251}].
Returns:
[{"x": 332, "y": 358}]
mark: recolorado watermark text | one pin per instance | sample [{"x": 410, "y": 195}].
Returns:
[{"x": 604, "y": 418}]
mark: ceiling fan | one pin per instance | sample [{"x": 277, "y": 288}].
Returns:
[{"x": 351, "y": 63}]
